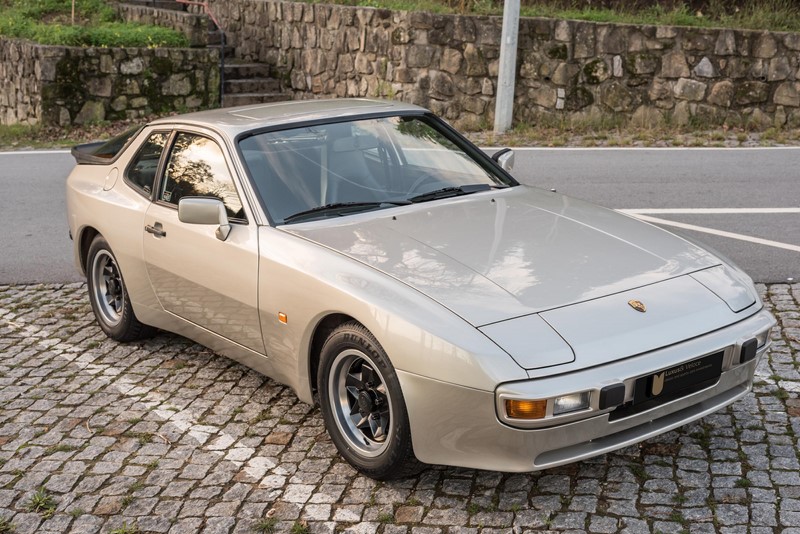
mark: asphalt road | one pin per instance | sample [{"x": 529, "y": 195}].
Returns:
[
  {"x": 745, "y": 186},
  {"x": 35, "y": 245},
  {"x": 719, "y": 190}
]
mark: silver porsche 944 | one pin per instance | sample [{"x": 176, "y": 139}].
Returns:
[{"x": 368, "y": 256}]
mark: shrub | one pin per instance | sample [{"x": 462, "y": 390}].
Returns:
[{"x": 48, "y": 22}]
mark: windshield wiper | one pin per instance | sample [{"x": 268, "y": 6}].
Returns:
[
  {"x": 337, "y": 208},
  {"x": 446, "y": 192}
]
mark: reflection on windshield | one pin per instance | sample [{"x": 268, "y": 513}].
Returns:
[{"x": 367, "y": 161}]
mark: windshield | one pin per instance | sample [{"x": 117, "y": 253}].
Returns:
[{"x": 358, "y": 165}]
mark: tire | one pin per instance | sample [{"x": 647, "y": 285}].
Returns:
[
  {"x": 363, "y": 406},
  {"x": 109, "y": 296}
]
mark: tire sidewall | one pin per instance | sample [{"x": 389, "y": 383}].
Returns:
[
  {"x": 391, "y": 460},
  {"x": 122, "y": 329}
]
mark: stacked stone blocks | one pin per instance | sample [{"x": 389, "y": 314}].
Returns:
[
  {"x": 193, "y": 25},
  {"x": 565, "y": 69},
  {"x": 65, "y": 85}
]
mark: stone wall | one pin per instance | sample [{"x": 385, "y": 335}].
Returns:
[
  {"x": 65, "y": 85},
  {"x": 194, "y": 26},
  {"x": 574, "y": 69},
  {"x": 20, "y": 78}
]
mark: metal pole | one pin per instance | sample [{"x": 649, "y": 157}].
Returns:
[
  {"x": 221, "y": 68},
  {"x": 504, "y": 108}
]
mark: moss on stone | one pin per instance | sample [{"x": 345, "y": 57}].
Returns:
[
  {"x": 161, "y": 66},
  {"x": 558, "y": 51},
  {"x": 66, "y": 91},
  {"x": 579, "y": 98},
  {"x": 596, "y": 71}
]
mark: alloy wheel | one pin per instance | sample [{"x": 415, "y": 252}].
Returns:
[
  {"x": 108, "y": 291},
  {"x": 361, "y": 403}
]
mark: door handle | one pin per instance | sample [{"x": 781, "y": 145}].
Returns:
[{"x": 156, "y": 230}]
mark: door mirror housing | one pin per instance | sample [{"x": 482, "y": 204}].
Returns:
[
  {"x": 505, "y": 158},
  {"x": 205, "y": 210}
]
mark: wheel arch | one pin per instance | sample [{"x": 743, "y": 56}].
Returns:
[
  {"x": 85, "y": 239},
  {"x": 322, "y": 330}
]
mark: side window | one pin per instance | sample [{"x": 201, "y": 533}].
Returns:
[
  {"x": 142, "y": 170},
  {"x": 196, "y": 168}
]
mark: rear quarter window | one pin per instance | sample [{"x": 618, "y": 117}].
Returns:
[{"x": 141, "y": 173}]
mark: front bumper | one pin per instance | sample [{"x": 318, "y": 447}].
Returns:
[{"x": 453, "y": 425}]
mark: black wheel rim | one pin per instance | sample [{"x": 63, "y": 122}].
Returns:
[{"x": 361, "y": 403}]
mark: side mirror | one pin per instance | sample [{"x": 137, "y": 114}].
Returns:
[
  {"x": 205, "y": 210},
  {"x": 505, "y": 158}
]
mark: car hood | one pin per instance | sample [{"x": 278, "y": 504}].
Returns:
[{"x": 496, "y": 255}]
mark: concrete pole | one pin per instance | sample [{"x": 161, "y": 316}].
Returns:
[{"x": 504, "y": 109}]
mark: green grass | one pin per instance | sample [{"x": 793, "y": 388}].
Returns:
[
  {"x": 266, "y": 525},
  {"x": 386, "y": 518},
  {"x": 781, "y": 393},
  {"x": 61, "y": 447},
  {"x": 776, "y": 15},
  {"x": 42, "y": 503},
  {"x": 6, "y": 526},
  {"x": 50, "y": 22},
  {"x": 126, "y": 529},
  {"x": 17, "y": 133}
]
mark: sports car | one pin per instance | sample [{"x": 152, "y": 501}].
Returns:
[{"x": 371, "y": 258}]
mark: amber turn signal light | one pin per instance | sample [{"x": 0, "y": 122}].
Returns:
[
  {"x": 282, "y": 317},
  {"x": 526, "y": 409}
]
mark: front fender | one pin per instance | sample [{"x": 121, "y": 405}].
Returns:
[{"x": 307, "y": 282}]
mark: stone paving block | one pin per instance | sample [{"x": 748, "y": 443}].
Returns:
[{"x": 166, "y": 435}]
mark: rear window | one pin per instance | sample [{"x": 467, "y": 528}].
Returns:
[
  {"x": 103, "y": 153},
  {"x": 113, "y": 146}
]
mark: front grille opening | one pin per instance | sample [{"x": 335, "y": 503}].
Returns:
[
  {"x": 629, "y": 408},
  {"x": 676, "y": 382}
]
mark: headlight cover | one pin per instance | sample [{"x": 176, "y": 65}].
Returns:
[{"x": 734, "y": 287}]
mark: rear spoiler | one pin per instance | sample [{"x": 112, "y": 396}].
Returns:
[
  {"x": 84, "y": 154},
  {"x": 104, "y": 152}
]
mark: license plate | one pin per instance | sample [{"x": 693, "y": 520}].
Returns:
[{"x": 680, "y": 380}]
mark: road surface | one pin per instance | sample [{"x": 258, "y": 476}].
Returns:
[{"x": 744, "y": 203}]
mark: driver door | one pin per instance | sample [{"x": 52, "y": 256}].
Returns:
[{"x": 210, "y": 283}]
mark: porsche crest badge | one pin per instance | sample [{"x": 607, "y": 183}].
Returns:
[{"x": 637, "y": 305}]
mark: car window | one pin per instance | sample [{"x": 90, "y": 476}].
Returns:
[
  {"x": 142, "y": 170},
  {"x": 113, "y": 146},
  {"x": 370, "y": 162},
  {"x": 197, "y": 168}
]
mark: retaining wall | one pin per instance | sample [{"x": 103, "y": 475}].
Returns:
[
  {"x": 573, "y": 69},
  {"x": 193, "y": 25},
  {"x": 64, "y": 85}
]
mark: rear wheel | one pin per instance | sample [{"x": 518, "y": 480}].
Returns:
[
  {"x": 363, "y": 406},
  {"x": 108, "y": 295}
]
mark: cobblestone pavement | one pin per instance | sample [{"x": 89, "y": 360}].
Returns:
[{"x": 165, "y": 436}]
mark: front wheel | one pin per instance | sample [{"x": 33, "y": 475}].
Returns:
[
  {"x": 362, "y": 405},
  {"x": 109, "y": 296}
]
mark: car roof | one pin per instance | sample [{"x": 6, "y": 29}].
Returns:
[{"x": 236, "y": 120}]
